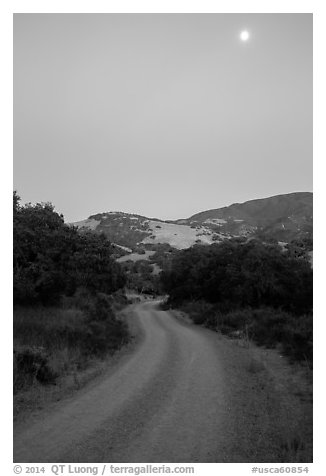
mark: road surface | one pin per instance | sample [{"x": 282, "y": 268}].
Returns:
[{"x": 170, "y": 401}]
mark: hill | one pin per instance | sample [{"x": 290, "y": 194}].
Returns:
[
  {"x": 134, "y": 231},
  {"x": 283, "y": 218}
]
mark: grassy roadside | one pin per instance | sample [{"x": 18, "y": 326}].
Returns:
[
  {"x": 275, "y": 392},
  {"x": 273, "y": 328},
  {"x": 58, "y": 350}
]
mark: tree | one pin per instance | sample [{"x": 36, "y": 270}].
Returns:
[
  {"x": 236, "y": 274},
  {"x": 52, "y": 259}
]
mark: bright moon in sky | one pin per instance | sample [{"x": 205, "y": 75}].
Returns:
[{"x": 244, "y": 35}]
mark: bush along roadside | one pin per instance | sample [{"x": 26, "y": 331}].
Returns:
[
  {"x": 245, "y": 289},
  {"x": 264, "y": 326},
  {"x": 51, "y": 342}
]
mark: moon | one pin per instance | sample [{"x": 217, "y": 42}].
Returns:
[{"x": 244, "y": 35}]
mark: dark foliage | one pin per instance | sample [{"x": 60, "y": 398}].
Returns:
[
  {"x": 32, "y": 362},
  {"x": 52, "y": 259},
  {"x": 265, "y": 326},
  {"x": 140, "y": 277},
  {"x": 236, "y": 275},
  {"x": 246, "y": 289},
  {"x": 104, "y": 332}
]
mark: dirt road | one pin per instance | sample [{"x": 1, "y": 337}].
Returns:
[{"x": 175, "y": 399}]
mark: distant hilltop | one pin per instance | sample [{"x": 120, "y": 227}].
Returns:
[{"x": 282, "y": 218}]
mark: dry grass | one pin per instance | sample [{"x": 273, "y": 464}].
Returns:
[
  {"x": 291, "y": 384},
  {"x": 43, "y": 326},
  {"x": 293, "y": 450},
  {"x": 47, "y": 336},
  {"x": 55, "y": 348},
  {"x": 77, "y": 371}
]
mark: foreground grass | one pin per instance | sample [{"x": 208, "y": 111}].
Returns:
[
  {"x": 48, "y": 338},
  {"x": 59, "y": 348}
]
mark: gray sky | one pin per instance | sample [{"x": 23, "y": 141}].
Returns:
[{"x": 163, "y": 115}]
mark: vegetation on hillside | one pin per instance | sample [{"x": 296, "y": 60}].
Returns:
[
  {"x": 246, "y": 288},
  {"x": 122, "y": 228},
  {"x": 282, "y": 217}
]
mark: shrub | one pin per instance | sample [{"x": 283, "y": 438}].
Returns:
[
  {"x": 265, "y": 326},
  {"x": 31, "y": 363},
  {"x": 104, "y": 331},
  {"x": 200, "y": 311},
  {"x": 238, "y": 320},
  {"x": 297, "y": 338}
]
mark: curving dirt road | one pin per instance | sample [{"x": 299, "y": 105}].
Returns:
[{"x": 173, "y": 400}]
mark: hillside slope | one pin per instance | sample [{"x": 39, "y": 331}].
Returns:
[
  {"x": 134, "y": 231},
  {"x": 282, "y": 217}
]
